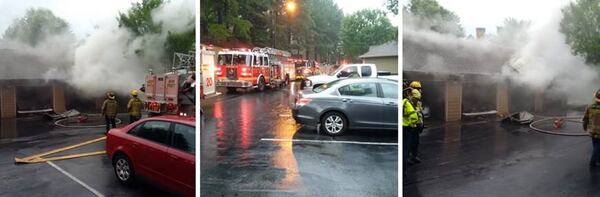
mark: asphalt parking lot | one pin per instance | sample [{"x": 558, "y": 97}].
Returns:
[
  {"x": 85, "y": 176},
  {"x": 251, "y": 146}
]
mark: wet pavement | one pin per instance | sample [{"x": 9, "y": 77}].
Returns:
[
  {"x": 246, "y": 151},
  {"x": 492, "y": 159},
  {"x": 35, "y": 135}
]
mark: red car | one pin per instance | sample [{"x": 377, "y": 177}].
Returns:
[{"x": 161, "y": 149}]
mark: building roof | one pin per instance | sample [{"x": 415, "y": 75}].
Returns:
[{"x": 389, "y": 49}]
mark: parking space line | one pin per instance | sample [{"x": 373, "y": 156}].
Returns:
[
  {"x": 75, "y": 179},
  {"x": 330, "y": 141}
]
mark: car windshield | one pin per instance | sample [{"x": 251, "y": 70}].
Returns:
[{"x": 326, "y": 86}]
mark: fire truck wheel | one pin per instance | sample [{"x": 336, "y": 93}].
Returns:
[
  {"x": 261, "y": 84},
  {"x": 334, "y": 123}
]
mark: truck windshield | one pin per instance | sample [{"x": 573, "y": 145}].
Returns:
[
  {"x": 234, "y": 59},
  {"x": 225, "y": 59}
]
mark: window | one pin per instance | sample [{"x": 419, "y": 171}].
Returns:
[
  {"x": 359, "y": 89},
  {"x": 346, "y": 72},
  {"x": 156, "y": 131},
  {"x": 240, "y": 60},
  {"x": 365, "y": 71},
  {"x": 225, "y": 59},
  {"x": 389, "y": 90},
  {"x": 257, "y": 60},
  {"x": 184, "y": 138}
]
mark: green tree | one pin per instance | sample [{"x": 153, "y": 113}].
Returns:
[
  {"x": 439, "y": 18},
  {"x": 327, "y": 17},
  {"x": 138, "y": 20},
  {"x": 392, "y": 6},
  {"x": 579, "y": 24},
  {"x": 363, "y": 29},
  {"x": 35, "y": 26}
]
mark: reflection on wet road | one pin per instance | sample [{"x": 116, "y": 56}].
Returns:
[
  {"x": 492, "y": 159},
  {"x": 235, "y": 161},
  {"x": 28, "y": 136}
]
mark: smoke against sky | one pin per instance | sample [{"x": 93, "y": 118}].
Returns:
[
  {"x": 540, "y": 60},
  {"x": 107, "y": 58}
]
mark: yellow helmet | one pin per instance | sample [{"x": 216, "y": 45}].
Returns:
[
  {"x": 415, "y": 84},
  {"x": 134, "y": 92}
]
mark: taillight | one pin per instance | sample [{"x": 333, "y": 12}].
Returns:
[
  {"x": 303, "y": 101},
  {"x": 170, "y": 106}
]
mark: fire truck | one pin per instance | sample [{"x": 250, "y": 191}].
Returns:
[
  {"x": 172, "y": 92},
  {"x": 257, "y": 68}
]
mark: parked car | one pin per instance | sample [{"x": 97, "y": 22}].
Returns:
[
  {"x": 161, "y": 149},
  {"x": 354, "y": 103},
  {"x": 349, "y": 71}
]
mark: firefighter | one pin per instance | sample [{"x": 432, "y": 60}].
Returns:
[
  {"x": 418, "y": 129},
  {"x": 409, "y": 124},
  {"x": 134, "y": 107},
  {"x": 591, "y": 123},
  {"x": 109, "y": 111}
]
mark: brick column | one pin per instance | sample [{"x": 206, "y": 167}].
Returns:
[
  {"x": 8, "y": 102},
  {"x": 538, "y": 102},
  {"x": 502, "y": 99},
  {"x": 8, "y": 128},
  {"x": 453, "y": 101},
  {"x": 58, "y": 98}
]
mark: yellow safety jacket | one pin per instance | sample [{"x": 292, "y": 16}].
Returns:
[{"x": 410, "y": 118}]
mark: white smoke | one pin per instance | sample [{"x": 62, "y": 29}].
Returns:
[
  {"x": 545, "y": 61},
  {"x": 112, "y": 58},
  {"x": 536, "y": 57}
]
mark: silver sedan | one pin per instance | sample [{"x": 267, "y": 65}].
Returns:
[{"x": 357, "y": 103}]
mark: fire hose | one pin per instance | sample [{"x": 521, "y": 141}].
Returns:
[{"x": 558, "y": 124}]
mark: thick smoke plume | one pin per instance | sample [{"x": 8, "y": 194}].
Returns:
[
  {"x": 536, "y": 57},
  {"x": 109, "y": 58}
]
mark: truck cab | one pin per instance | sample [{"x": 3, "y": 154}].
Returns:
[{"x": 348, "y": 71}]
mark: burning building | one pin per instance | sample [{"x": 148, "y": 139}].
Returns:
[{"x": 463, "y": 79}]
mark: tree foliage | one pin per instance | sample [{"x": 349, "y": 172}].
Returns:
[
  {"x": 363, "y": 29},
  {"x": 439, "y": 18},
  {"x": 392, "y": 6},
  {"x": 310, "y": 30},
  {"x": 138, "y": 20},
  {"x": 580, "y": 23},
  {"x": 35, "y": 26}
]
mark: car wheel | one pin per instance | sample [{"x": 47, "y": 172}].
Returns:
[
  {"x": 334, "y": 123},
  {"x": 261, "y": 84},
  {"x": 123, "y": 169}
]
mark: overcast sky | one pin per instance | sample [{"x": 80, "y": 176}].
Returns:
[
  {"x": 82, "y": 15},
  {"x": 491, "y": 13}
]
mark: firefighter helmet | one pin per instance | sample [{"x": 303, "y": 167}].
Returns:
[
  {"x": 415, "y": 84},
  {"x": 110, "y": 95},
  {"x": 134, "y": 92}
]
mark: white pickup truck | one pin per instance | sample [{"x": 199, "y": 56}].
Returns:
[{"x": 349, "y": 70}]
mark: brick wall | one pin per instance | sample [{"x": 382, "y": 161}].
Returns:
[
  {"x": 8, "y": 102},
  {"x": 453, "y": 101}
]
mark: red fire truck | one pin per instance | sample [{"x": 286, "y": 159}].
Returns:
[
  {"x": 257, "y": 68},
  {"x": 172, "y": 92}
]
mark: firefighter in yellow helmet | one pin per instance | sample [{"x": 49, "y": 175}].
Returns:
[
  {"x": 109, "y": 111},
  {"x": 591, "y": 123},
  {"x": 414, "y": 92},
  {"x": 134, "y": 107}
]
